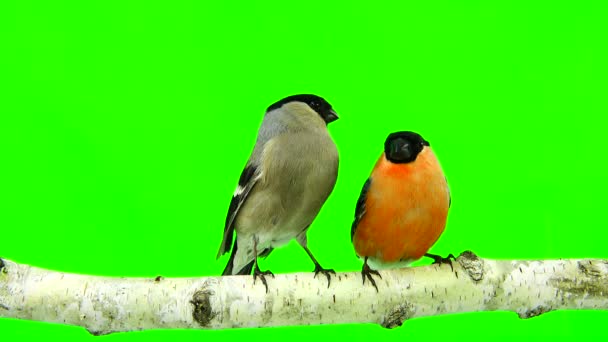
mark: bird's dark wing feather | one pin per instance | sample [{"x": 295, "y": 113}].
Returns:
[
  {"x": 360, "y": 209},
  {"x": 449, "y": 194},
  {"x": 248, "y": 178}
]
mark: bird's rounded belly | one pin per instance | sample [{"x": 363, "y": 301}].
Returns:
[
  {"x": 293, "y": 220},
  {"x": 283, "y": 211},
  {"x": 404, "y": 229}
]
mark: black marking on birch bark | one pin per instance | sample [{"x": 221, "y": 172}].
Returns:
[
  {"x": 472, "y": 264},
  {"x": 580, "y": 286},
  {"x": 2, "y": 266},
  {"x": 397, "y": 315},
  {"x": 590, "y": 280},
  {"x": 158, "y": 279},
  {"x": 490, "y": 301},
  {"x": 266, "y": 315},
  {"x": 537, "y": 311},
  {"x": 2, "y": 306},
  {"x": 202, "y": 312},
  {"x": 593, "y": 268}
]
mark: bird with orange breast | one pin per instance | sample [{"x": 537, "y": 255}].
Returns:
[{"x": 403, "y": 206}]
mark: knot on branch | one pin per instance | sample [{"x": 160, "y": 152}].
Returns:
[
  {"x": 537, "y": 311},
  {"x": 99, "y": 332},
  {"x": 397, "y": 315},
  {"x": 202, "y": 312},
  {"x": 472, "y": 264}
]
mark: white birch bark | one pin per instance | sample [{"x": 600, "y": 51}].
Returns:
[{"x": 105, "y": 305}]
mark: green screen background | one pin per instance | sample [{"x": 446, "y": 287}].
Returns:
[{"x": 124, "y": 126}]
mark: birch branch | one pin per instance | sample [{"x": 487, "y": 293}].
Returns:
[{"x": 105, "y": 305}]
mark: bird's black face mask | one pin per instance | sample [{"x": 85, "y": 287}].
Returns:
[{"x": 403, "y": 147}]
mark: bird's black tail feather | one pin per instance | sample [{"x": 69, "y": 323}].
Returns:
[
  {"x": 248, "y": 268},
  {"x": 228, "y": 269}
]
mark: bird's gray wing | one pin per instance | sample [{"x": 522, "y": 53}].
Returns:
[
  {"x": 271, "y": 127},
  {"x": 247, "y": 181},
  {"x": 360, "y": 209}
]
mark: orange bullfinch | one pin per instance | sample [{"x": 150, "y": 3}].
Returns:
[
  {"x": 291, "y": 171},
  {"x": 402, "y": 208}
]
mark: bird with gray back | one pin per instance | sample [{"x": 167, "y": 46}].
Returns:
[{"x": 291, "y": 171}]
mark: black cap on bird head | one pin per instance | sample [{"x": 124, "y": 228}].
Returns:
[
  {"x": 403, "y": 147},
  {"x": 316, "y": 103}
]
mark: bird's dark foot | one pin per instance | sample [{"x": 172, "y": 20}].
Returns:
[
  {"x": 438, "y": 259},
  {"x": 262, "y": 275},
  {"x": 318, "y": 268},
  {"x": 325, "y": 271},
  {"x": 368, "y": 273}
]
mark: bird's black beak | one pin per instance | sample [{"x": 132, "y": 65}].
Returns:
[{"x": 330, "y": 116}]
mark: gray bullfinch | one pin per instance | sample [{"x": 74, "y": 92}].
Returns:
[
  {"x": 403, "y": 206},
  {"x": 291, "y": 171}
]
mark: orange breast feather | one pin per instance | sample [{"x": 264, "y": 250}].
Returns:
[{"x": 406, "y": 209}]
